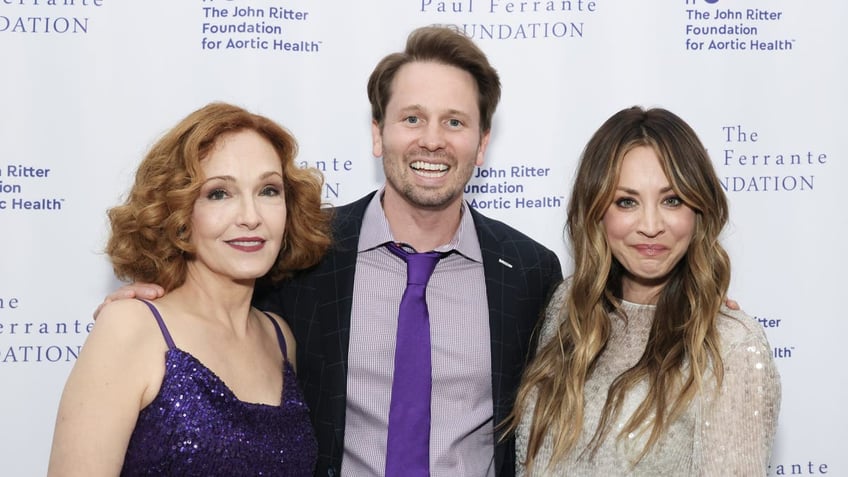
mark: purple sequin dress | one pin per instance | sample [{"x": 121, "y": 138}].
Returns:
[{"x": 197, "y": 426}]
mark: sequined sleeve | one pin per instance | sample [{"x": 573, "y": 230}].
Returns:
[{"x": 741, "y": 419}]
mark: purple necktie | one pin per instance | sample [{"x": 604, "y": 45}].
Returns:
[{"x": 408, "y": 443}]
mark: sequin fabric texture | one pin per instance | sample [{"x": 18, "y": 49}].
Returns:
[
  {"x": 196, "y": 426},
  {"x": 728, "y": 433}
]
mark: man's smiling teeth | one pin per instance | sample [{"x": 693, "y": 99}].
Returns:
[{"x": 428, "y": 168}]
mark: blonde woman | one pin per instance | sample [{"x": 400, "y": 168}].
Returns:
[{"x": 641, "y": 369}]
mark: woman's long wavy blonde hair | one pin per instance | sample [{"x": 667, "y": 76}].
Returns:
[{"x": 683, "y": 342}]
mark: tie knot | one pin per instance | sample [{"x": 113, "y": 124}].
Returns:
[{"x": 419, "y": 266}]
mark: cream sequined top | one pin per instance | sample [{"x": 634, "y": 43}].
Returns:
[{"x": 724, "y": 434}]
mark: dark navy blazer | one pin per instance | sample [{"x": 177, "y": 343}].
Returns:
[{"x": 317, "y": 304}]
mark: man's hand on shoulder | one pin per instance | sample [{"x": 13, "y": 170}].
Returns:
[
  {"x": 731, "y": 304},
  {"x": 148, "y": 291}
]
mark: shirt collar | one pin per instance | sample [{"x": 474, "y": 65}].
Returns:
[{"x": 376, "y": 232}]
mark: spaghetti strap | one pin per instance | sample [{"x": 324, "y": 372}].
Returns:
[
  {"x": 280, "y": 338},
  {"x": 165, "y": 333}
]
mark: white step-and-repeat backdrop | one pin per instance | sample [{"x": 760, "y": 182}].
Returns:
[{"x": 86, "y": 86}]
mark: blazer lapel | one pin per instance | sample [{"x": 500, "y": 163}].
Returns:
[
  {"x": 499, "y": 276},
  {"x": 334, "y": 287}
]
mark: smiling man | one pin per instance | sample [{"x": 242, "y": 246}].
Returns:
[{"x": 432, "y": 108}]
